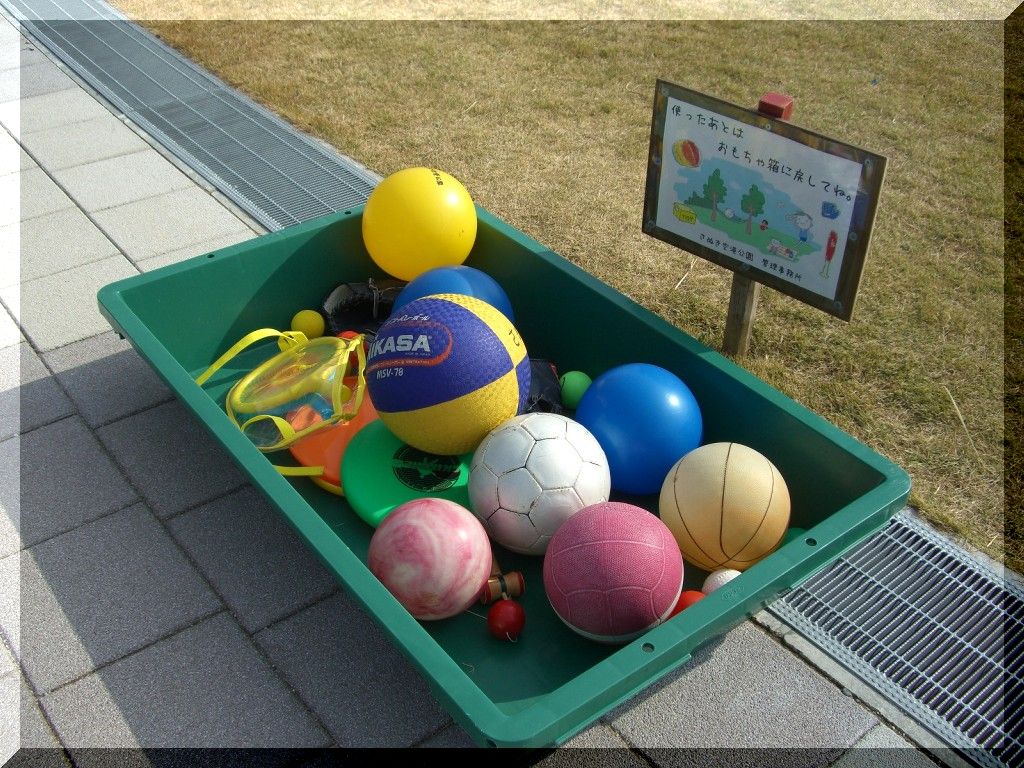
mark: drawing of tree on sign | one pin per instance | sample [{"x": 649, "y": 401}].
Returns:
[
  {"x": 715, "y": 191},
  {"x": 752, "y": 204}
]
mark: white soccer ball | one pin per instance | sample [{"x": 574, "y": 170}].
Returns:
[{"x": 531, "y": 474}]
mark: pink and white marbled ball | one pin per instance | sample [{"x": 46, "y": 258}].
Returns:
[{"x": 433, "y": 555}]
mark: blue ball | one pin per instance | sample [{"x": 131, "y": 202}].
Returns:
[
  {"x": 645, "y": 419},
  {"x": 465, "y": 280}
]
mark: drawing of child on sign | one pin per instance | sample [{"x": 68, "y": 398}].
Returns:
[{"x": 802, "y": 222}]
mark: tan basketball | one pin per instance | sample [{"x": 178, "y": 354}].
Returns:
[{"x": 726, "y": 504}]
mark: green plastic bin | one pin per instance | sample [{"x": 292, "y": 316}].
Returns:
[{"x": 552, "y": 683}]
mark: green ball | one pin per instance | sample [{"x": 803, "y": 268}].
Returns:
[{"x": 574, "y": 384}]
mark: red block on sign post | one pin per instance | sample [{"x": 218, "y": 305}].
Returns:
[{"x": 777, "y": 105}]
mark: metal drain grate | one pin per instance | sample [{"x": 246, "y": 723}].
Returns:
[
  {"x": 274, "y": 173},
  {"x": 930, "y": 627}
]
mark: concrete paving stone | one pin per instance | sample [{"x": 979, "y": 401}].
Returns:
[
  {"x": 10, "y": 46},
  {"x": 597, "y": 736},
  {"x": 171, "y": 458},
  {"x": 347, "y": 670},
  {"x": 10, "y": 398},
  {"x": 122, "y": 179},
  {"x": 10, "y": 601},
  {"x": 40, "y": 78},
  {"x": 9, "y": 161},
  {"x": 10, "y": 334},
  {"x": 167, "y": 222},
  {"x": 253, "y": 557},
  {"x": 66, "y": 480},
  {"x": 39, "y": 113},
  {"x": 56, "y": 242},
  {"x": 7, "y": 662},
  {"x": 106, "y": 378},
  {"x": 10, "y": 496},
  {"x": 39, "y": 195},
  {"x": 36, "y": 733},
  {"x": 31, "y": 399},
  {"x": 196, "y": 249},
  {"x": 745, "y": 677},
  {"x": 10, "y": 716},
  {"x": 206, "y": 686},
  {"x": 34, "y": 78},
  {"x": 102, "y": 591},
  {"x": 61, "y": 308},
  {"x": 10, "y": 207},
  {"x": 884, "y": 748},
  {"x": 451, "y": 737},
  {"x": 66, "y": 146}
]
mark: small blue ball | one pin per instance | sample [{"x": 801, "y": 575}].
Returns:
[
  {"x": 461, "y": 279},
  {"x": 645, "y": 419}
]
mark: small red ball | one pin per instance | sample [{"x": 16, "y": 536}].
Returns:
[
  {"x": 686, "y": 599},
  {"x": 506, "y": 619}
]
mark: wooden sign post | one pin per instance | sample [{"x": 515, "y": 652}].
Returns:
[
  {"x": 739, "y": 323},
  {"x": 777, "y": 204}
]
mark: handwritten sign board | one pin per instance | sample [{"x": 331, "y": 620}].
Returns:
[{"x": 777, "y": 203}]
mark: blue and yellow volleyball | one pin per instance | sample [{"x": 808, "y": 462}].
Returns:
[{"x": 445, "y": 370}]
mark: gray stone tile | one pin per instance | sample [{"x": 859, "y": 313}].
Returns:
[
  {"x": 10, "y": 601},
  {"x": 67, "y": 146},
  {"x": 102, "y": 591},
  {"x": 196, "y": 249},
  {"x": 7, "y": 662},
  {"x": 10, "y": 717},
  {"x": 66, "y": 479},
  {"x": 10, "y": 83},
  {"x": 9, "y": 159},
  {"x": 10, "y": 207},
  {"x": 10, "y": 46},
  {"x": 39, "y": 113},
  {"x": 10, "y": 398},
  {"x": 204, "y": 687},
  {"x": 40, "y": 78},
  {"x": 745, "y": 677},
  {"x": 167, "y": 222},
  {"x": 36, "y": 733},
  {"x": 32, "y": 399},
  {"x": 10, "y": 334},
  {"x": 33, "y": 78},
  {"x": 10, "y": 496},
  {"x": 40, "y": 196},
  {"x": 61, "y": 308},
  {"x": 171, "y": 458},
  {"x": 253, "y": 557},
  {"x": 597, "y": 736},
  {"x": 883, "y": 747},
  {"x": 342, "y": 665},
  {"x": 122, "y": 179},
  {"x": 452, "y": 737},
  {"x": 55, "y": 242},
  {"x": 106, "y": 378}
]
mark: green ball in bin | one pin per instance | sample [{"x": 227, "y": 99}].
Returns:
[
  {"x": 379, "y": 472},
  {"x": 574, "y": 384}
]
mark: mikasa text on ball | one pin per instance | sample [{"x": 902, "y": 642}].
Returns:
[
  {"x": 445, "y": 370},
  {"x": 418, "y": 219}
]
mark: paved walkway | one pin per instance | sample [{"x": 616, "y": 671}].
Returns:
[{"x": 163, "y": 601}]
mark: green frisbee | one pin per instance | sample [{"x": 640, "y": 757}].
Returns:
[{"x": 380, "y": 472}]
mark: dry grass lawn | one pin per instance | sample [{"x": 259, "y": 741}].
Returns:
[{"x": 547, "y": 124}]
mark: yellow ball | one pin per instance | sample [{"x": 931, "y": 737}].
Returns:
[
  {"x": 308, "y": 322},
  {"x": 727, "y": 506},
  {"x": 418, "y": 219}
]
